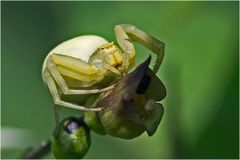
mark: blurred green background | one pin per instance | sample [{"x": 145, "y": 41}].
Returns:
[{"x": 200, "y": 71}]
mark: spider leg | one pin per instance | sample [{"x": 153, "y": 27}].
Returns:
[
  {"x": 56, "y": 97},
  {"x": 74, "y": 64},
  {"x": 63, "y": 85},
  {"x": 126, "y": 33}
]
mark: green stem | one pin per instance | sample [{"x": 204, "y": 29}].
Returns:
[{"x": 38, "y": 153}]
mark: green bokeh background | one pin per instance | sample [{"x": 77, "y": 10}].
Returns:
[{"x": 200, "y": 71}]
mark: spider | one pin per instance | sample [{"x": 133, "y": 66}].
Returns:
[{"x": 89, "y": 64}]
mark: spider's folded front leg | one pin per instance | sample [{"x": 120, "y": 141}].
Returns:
[
  {"x": 126, "y": 34},
  {"x": 56, "y": 97},
  {"x": 76, "y": 69},
  {"x": 58, "y": 101}
]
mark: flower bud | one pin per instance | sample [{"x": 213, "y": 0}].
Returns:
[
  {"x": 92, "y": 120},
  {"x": 71, "y": 139},
  {"x": 131, "y": 108}
]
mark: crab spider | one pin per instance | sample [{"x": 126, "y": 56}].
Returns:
[{"x": 80, "y": 65}]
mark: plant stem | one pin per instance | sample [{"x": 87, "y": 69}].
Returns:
[{"x": 39, "y": 152}]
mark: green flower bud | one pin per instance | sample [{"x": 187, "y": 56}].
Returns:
[
  {"x": 131, "y": 108},
  {"x": 92, "y": 119},
  {"x": 120, "y": 118},
  {"x": 93, "y": 122},
  {"x": 71, "y": 139}
]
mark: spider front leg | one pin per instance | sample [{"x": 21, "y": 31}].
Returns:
[
  {"x": 53, "y": 77},
  {"x": 57, "y": 100},
  {"x": 56, "y": 96},
  {"x": 126, "y": 34},
  {"x": 67, "y": 61}
]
